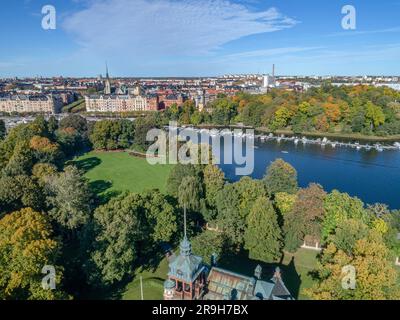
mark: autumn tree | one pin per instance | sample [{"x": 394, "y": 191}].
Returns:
[
  {"x": 285, "y": 202},
  {"x": 375, "y": 274},
  {"x": 281, "y": 118},
  {"x": 305, "y": 217},
  {"x": 26, "y": 246},
  {"x": 45, "y": 151}
]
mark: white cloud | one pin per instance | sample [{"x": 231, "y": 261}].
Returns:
[
  {"x": 270, "y": 52},
  {"x": 162, "y": 27}
]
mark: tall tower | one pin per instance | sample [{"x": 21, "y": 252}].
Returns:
[
  {"x": 107, "y": 85},
  {"x": 273, "y": 76},
  {"x": 187, "y": 274}
]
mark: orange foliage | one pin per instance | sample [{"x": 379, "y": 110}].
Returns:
[{"x": 42, "y": 144}]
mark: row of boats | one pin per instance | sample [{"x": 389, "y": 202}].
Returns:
[{"x": 323, "y": 142}]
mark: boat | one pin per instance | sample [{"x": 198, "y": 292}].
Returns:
[{"x": 378, "y": 147}]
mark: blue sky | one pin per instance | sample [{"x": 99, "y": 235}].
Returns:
[{"x": 199, "y": 37}]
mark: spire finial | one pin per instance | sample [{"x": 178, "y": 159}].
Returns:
[
  {"x": 186, "y": 247},
  {"x": 107, "y": 75},
  {"x": 184, "y": 220}
]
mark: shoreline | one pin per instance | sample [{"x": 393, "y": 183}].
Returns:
[{"x": 342, "y": 136}]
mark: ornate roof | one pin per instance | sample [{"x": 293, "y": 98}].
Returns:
[
  {"x": 223, "y": 284},
  {"x": 186, "y": 266}
]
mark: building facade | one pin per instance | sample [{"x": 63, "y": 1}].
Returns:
[
  {"x": 190, "y": 279},
  {"x": 167, "y": 101},
  {"x": 50, "y": 104},
  {"x": 120, "y": 103}
]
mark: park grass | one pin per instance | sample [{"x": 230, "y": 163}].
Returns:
[
  {"x": 305, "y": 261},
  {"x": 295, "y": 272},
  {"x": 153, "y": 283},
  {"x": 295, "y": 269},
  {"x": 118, "y": 172}
]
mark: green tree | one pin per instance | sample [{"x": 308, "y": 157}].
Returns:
[
  {"x": 21, "y": 160},
  {"x": 75, "y": 121},
  {"x": 223, "y": 111},
  {"x": 263, "y": 236},
  {"x": 374, "y": 115},
  {"x": 20, "y": 191},
  {"x": 3, "y": 130},
  {"x": 339, "y": 206},
  {"x": 71, "y": 141},
  {"x": 208, "y": 244},
  {"x": 229, "y": 218},
  {"x": 117, "y": 229},
  {"x": 52, "y": 126},
  {"x": 281, "y": 118},
  {"x": 112, "y": 134},
  {"x": 142, "y": 127},
  {"x": 69, "y": 199},
  {"x": 128, "y": 227},
  {"x": 160, "y": 216},
  {"x": 190, "y": 193},
  {"x": 281, "y": 177},
  {"x": 347, "y": 233},
  {"x": 214, "y": 181},
  {"x": 248, "y": 190},
  {"x": 177, "y": 174}
]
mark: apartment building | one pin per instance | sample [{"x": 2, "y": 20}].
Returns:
[
  {"x": 50, "y": 104},
  {"x": 120, "y": 103}
]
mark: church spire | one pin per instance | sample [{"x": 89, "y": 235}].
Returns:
[
  {"x": 107, "y": 75},
  {"x": 107, "y": 85},
  {"x": 186, "y": 247}
]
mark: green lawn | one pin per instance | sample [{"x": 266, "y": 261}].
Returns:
[
  {"x": 294, "y": 271},
  {"x": 298, "y": 273},
  {"x": 119, "y": 171},
  {"x": 294, "y": 267},
  {"x": 153, "y": 283}
]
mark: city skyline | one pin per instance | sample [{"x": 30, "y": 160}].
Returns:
[{"x": 197, "y": 39}]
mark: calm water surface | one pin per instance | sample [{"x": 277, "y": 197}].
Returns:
[{"x": 370, "y": 175}]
